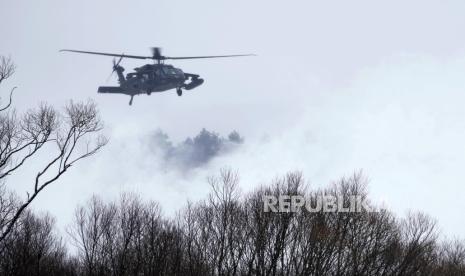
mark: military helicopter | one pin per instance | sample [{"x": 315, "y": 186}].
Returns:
[{"x": 156, "y": 77}]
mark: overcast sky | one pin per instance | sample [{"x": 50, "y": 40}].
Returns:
[{"x": 337, "y": 87}]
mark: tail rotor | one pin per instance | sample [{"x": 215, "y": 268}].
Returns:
[{"x": 115, "y": 66}]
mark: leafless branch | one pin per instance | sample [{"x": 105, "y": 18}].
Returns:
[
  {"x": 73, "y": 138},
  {"x": 7, "y": 68},
  {"x": 10, "y": 100}
]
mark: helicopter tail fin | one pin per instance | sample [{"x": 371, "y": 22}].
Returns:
[{"x": 119, "y": 71}]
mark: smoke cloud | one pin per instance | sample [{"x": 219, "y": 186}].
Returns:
[{"x": 193, "y": 152}]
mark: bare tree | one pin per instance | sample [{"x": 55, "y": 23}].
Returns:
[
  {"x": 33, "y": 248},
  {"x": 126, "y": 238},
  {"x": 450, "y": 259},
  {"x": 68, "y": 138},
  {"x": 231, "y": 234}
]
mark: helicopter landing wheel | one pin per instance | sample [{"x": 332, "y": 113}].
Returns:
[{"x": 179, "y": 91}]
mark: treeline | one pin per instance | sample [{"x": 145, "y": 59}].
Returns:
[{"x": 229, "y": 234}]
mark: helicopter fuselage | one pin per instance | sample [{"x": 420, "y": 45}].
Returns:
[{"x": 152, "y": 78}]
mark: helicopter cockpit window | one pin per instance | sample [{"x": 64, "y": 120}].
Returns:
[
  {"x": 144, "y": 77},
  {"x": 169, "y": 71}
]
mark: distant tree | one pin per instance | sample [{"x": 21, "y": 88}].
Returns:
[
  {"x": 195, "y": 151},
  {"x": 66, "y": 138},
  {"x": 235, "y": 137}
]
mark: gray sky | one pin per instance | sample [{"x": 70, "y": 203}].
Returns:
[{"x": 337, "y": 86}]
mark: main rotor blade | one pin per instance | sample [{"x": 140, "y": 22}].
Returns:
[
  {"x": 106, "y": 54},
  {"x": 197, "y": 57},
  {"x": 155, "y": 57}
]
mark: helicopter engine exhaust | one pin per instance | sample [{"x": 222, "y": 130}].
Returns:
[{"x": 193, "y": 84}]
